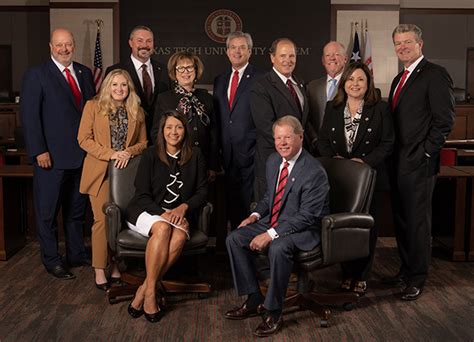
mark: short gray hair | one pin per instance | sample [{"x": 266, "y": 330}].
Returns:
[
  {"x": 239, "y": 34},
  {"x": 289, "y": 120},
  {"x": 403, "y": 28},
  {"x": 140, "y": 27}
]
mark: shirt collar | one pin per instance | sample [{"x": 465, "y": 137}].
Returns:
[
  {"x": 414, "y": 64},
  {"x": 284, "y": 78},
  {"x": 241, "y": 70},
  {"x": 338, "y": 77},
  {"x": 62, "y": 67},
  {"x": 138, "y": 64},
  {"x": 293, "y": 160}
]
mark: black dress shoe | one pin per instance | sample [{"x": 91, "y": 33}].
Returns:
[
  {"x": 104, "y": 287},
  {"x": 244, "y": 312},
  {"x": 396, "y": 280},
  {"x": 411, "y": 293},
  {"x": 135, "y": 313},
  {"x": 269, "y": 326},
  {"x": 61, "y": 273}
]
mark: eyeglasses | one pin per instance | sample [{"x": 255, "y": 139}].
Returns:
[{"x": 188, "y": 68}]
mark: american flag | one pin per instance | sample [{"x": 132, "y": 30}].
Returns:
[{"x": 97, "y": 63}]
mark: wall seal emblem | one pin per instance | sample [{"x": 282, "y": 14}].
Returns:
[{"x": 220, "y": 23}]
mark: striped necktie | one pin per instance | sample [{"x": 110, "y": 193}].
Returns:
[{"x": 279, "y": 195}]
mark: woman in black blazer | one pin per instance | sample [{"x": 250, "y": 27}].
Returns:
[
  {"x": 171, "y": 186},
  {"x": 357, "y": 125},
  {"x": 197, "y": 104}
]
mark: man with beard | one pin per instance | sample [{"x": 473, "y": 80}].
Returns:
[{"x": 149, "y": 77}]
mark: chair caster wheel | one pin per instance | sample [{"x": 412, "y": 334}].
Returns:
[
  {"x": 203, "y": 295},
  {"x": 348, "y": 306},
  {"x": 324, "y": 323}
]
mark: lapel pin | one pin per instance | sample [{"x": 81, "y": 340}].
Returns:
[
  {"x": 293, "y": 179},
  {"x": 248, "y": 76},
  {"x": 366, "y": 118},
  {"x": 80, "y": 71}
]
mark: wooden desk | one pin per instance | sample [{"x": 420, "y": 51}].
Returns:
[{"x": 14, "y": 180}]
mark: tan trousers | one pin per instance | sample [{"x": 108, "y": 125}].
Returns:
[{"x": 99, "y": 229}]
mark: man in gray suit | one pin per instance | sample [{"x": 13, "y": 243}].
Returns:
[
  {"x": 324, "y": 89},
  {"x": 286, "y": 220}
]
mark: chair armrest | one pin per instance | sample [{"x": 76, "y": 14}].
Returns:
[
  {"x": 205, "y": 218},
  {"x": 113, "y": 220},
  {"x": 345, "y": 237}
]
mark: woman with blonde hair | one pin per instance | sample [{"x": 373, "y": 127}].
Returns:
[{"x": 112, "y": 128}]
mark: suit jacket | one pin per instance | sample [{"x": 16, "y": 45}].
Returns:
[
  {"x": 305, "y": 200},
  {"x": 153, "y": 176},
  {"x": 270, "y": 100},
  {"x": 204, "y": 137},
  {"x": 317, "y": 99},
  {"x": 162, "y": 84},
  {"x": 49, "y": 115},
  {"x": 94, "y": 138},
  {"x": 237, "y": 129},
  {"x": 423, "y": 117}
]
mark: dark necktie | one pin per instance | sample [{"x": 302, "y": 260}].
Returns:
[
  {"x": 74, "y": 88},
  {"x": 294, "y": 95},
  {"x": 279, "y": 195},
  {"x": 147, "y": 86},
  {"x": 233, "y": 88},
  {"x": 399, "y": 90}
]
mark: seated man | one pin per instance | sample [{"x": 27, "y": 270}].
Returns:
[{"x": 286, "y": 220}]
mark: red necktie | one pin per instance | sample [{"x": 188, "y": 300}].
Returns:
[
  {"x": 279, "y": 195},
  {"x": 74, "y": 88},
  {"x": 294, "y": 95},
  {"x": 147, "y": 86},
  {"x": 233, "y": 88},
  {"x": 398, "y": 90}
]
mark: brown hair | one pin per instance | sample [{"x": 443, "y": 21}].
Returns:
[
  {"x": 186, "y": 147},
  {"x": 176, "y": 57},
  {"x": 371, "y": 95}
]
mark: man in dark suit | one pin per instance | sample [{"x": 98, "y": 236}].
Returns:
[
  {"x": 286, "y": 220},
  {"x": 324, "y": 89},
  {"x": 52, "y": 97},
  {"x": 422, "y": 102},
  {"x": 276, "y": 94},
  {"x": 237, "y": 130},
  {"x": 149, "y": 76}
]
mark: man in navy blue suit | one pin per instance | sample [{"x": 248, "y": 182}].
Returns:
[
  {"x": 286, "y": 220},
  {"x": 232, "y": 105},
  {"x": 52, "y": 97}
]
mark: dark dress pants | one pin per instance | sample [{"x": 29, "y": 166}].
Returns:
[
  {"x": 54, "y": 188},
  {"x": 411, "y": 202},
  {"x": 280, "y": 257}
]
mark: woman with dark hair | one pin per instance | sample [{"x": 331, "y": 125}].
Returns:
[
  {"x": 358, "y": 125},
  {"x": 185, "y": 69},
  {"x": 171, "y": 187},
  {"x": 112, "y": 128}
]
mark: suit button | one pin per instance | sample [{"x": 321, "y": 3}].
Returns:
[
  {"x": 195, "y": 128},
  {"x": 230, "y": 121},
  {"x": 196, "y": 143},
  {"x": 367, "y": 142},
  {"x": 334, "y": 141},
  {"x": 369, "y": 130},
  {"x": 333, "y": 129},
  {"x": 363, "y": 154}
]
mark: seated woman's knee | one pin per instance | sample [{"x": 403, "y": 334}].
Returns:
[{"x": 160, "y": 229}]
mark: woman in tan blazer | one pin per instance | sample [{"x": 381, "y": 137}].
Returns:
[{"x": 112, "y": 128}]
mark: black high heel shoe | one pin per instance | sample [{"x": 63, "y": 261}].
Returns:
[
  {"x": 135, "y": 313},
  {"x": 104, "y": 287},
  {"x": 116, "y": 281},
  {"x": 154, "y": 317}
]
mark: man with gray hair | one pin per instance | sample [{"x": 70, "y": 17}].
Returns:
[
  {"x": 232, "y": 106},
  {"x": 422, "y": 102},
  {"x": 286, "y": 220},
  {"x": 323, "y": 89},
  {"x": 149, "y": 76}
]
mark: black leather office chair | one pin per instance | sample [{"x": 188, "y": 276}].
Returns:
[
  {"x": 127, "y": 243},
  {"x": 344, "y": 236}
]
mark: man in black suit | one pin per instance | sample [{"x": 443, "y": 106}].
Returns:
[
  {"x": 237, "y": 130},
  {"x": 52, "y": 97},
  {"x": 422, "y": 102},
  {"x": 286, "y": 220},
  {"x": 276, "y": 94},
  {"x": 149, "y": 76}
]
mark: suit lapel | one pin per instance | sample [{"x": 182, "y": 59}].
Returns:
[
  {"x": 133, "y": 74},
  {"x": 365, "y": 119},
  {"x": 283, "y": 89},
  {"x": 82, "y": 86},
  {"x": 62, "y": 82},
  {"x": 414, "y": 74},
  {"x": 132, "y": 123},
  {"x": 292, "y": 177},
  {"x": 274, "y": 180},
  {"x": 243, "y": 84},
  {"x": 305, "y": 99},
  {"x": 223, "y": 89},
  {"x": 157, "y": 76}
]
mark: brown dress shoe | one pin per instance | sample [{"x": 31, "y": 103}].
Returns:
[
  {"x": 244, "y": 312},
  {"x": 269, "y": 326}
]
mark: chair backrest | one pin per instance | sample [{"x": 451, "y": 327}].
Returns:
[
  {"x": 122, "y": 182},
  {"x": 352, "y": 185}
]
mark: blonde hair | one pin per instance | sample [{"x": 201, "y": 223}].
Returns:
[{"x": 132, "y": 103}]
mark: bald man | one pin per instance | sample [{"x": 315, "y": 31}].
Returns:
[{"x": 52, "y": 97}]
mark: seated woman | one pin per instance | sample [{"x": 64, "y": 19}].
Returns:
[
  {"x": 171, "y": 187},
  {"x": 357, "y": 125},
  {"x": 185, "y": 69},
  {"x": 112, "y": 128}
]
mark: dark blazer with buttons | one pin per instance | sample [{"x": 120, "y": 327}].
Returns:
[
  {"x": 152, "y": 177},
  {"x": 374, "y": 139},
  {"x": 204, "y": 137}
]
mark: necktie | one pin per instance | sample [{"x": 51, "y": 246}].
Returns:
[
  {"x": 233, "y": 87},
  {"x": 74, "y": 88},
  {"x": 332, "y": 89},
  {"x": 293, "y": 94},
  {"x": 147, "y": 87},
  {"x": 398, "y": 90},
  {"x": 279, "y": 195}
]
